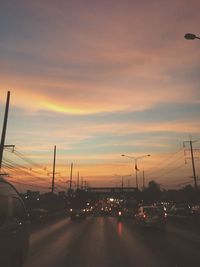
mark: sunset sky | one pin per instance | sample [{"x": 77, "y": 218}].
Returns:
[{"x": 100, "y": 79}]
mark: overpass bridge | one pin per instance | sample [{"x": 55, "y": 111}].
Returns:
[{"x": 113, "y": 191}]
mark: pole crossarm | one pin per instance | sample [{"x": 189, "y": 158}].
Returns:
[{"x": 9, "y": 146}]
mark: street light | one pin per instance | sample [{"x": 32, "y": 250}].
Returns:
[
  {"x": 136, "y": 167},
  {"x": 191, "y": 36}
]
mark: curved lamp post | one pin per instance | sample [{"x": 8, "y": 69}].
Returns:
[{"x": 136, "y": 166}]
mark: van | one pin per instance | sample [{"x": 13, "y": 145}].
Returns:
[{"x": 14, "y": 227}]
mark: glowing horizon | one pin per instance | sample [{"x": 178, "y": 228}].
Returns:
[{"x": 99, "y": 80}]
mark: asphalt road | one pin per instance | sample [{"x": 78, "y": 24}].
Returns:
[{"x": 104, "y": 242}]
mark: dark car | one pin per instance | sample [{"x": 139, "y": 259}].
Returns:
[
  {"x": 106, "y": 211},
  {"x": 195, "y": 211},
  {"x": 37, "y": 214},
  {"x": 77, "y": 213},
  {"x": 180, "y": 210},
  {"x": 125, "y": 213},
  {"x": 151, "y": 216},
  {"x": 14, "y": 227}
]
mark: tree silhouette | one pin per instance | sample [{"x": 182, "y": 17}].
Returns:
[{"x": 152, "y": 193}]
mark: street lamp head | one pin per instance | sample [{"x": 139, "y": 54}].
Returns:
[
  {"x": 122, "y": 155},
  {"x": 148, "y": 155},
  {"x": 190, "y": 36}
]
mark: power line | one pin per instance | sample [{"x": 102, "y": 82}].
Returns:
[
  {"x": 169, "y": 164},
  {"x": 29, "y": 161},
  {"x": 27, "y": 184},
  {"x": 18, "y": 169},
  {"x": 18, "y": 166},
  {"x": 170, "y": 171},
  {"x": 179, "y": 184},
  {"x": 163, "y": 162}
]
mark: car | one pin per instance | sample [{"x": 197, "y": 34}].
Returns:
[
  {"x": 180, "y": 210},
  {"x": 14, "y": 227},
  {"x": 196, "y": 211},
  {"x": 106, "y": 211},
  {"x": 122, "y": 213},
  {"x": 77, "y": 213},
  {"x": 151, "y": 216},
  {"x": 38, "y": 214}
]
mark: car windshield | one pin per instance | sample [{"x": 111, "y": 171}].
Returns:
[{"x": 152, "y": 211}]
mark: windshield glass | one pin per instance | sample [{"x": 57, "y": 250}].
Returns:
[{"x": 151, "y": 210}]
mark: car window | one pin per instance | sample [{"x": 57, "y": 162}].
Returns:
[
  {"x": 151, "y": 210},
  {"x": 3, "y": 209},
  {"x": 18, "y": 210}
]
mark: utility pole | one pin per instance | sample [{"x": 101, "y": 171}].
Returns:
[
  {"x": 193, "y": 163},
  {"x": 77, "y": 186},
  {"x": 136, "y": 178},
  {"x": 70, "y": 181},
  {"x": 136, "y": 172},
  {"x": 3, "y": 135},
  {"x": 143, "y": 179},
  {"x": 193, "y": 166},
  {"x": 122, "y": 183},
  {"x": 85, "y": 184},
  {"x": 54, "y": 167},
  {"x": 82, "y": 182}
]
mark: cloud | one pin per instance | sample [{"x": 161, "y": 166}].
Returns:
[
  {"x": 76, "y": 98},
  {"x": 95, "y": 60}
]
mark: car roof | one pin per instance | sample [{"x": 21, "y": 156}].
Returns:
[
  {"x": 6, "y": 188},
  {"x": 2, "y": 179},
  {"x": 148, "y": 207}
]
